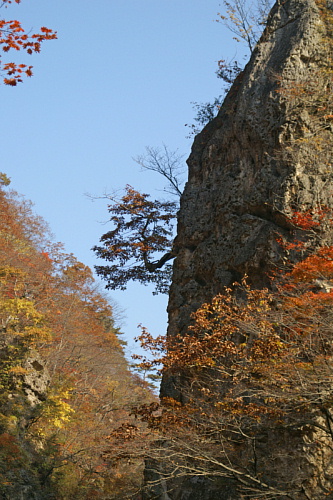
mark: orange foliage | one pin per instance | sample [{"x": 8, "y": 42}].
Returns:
[
  {"x": 142, "y": 228},
  {"x": 252, "y": 361},
  {"x": 50, "y": 301},
  {"x": 14, "y": 37}
]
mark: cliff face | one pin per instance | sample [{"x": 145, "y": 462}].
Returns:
[
  {"x": 250, "y": 168},
  {"x": 19, "y": 477}
]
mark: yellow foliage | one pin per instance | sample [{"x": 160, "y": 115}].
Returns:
[
  {"x": 18, "y": 370},
  {"x": 20, "y": 317},
  {"x": 54, "y": 412}
]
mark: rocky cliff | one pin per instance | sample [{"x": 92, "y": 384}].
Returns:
[
  {"x": 254, "y": 164},
  {"x": 266, "y": 155}
]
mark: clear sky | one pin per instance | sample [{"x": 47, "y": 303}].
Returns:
[{"x": 121, "y": 76}]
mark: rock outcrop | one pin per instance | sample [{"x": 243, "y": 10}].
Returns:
[
  {"x": 250, "y": 168},
  {"x": 242, "y": 185},
  {"x": 36, "y": 380},
  {"x": 30, "y": 389}
]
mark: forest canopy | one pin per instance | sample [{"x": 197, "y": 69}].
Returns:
[{"x": 65, "y": 382}]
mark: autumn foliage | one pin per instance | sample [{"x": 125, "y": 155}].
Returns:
[
  {"x": 142, "y": 231},
  {"x": 254, "y": 367},
  {"x": 13, "y": 37},
  {"x": 64, "y": 381}
]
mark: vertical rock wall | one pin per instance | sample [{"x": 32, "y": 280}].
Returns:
[
  {"x": 242, "y": 185},
  {"x": 249, "y": 170}
]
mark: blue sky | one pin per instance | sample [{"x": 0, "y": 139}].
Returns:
[{"x": 121, "y": 76}]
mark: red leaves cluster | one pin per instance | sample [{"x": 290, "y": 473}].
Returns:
[
  {"x": 315, "y": 217},
  {"x": 14, "y": 37},
  {"x": 306, "y": 220},
  {"x": 316, "y": 266}
]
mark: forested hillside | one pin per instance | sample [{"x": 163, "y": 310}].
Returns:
[
  {"x": 246, "y": 409},
  {"x": 65, "y": 383}
]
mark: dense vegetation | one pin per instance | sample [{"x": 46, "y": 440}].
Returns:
[
  {"x": 251, "y": 405},
  {"x": 254, "y": 364},
  {"x": 64, "y": 383}
]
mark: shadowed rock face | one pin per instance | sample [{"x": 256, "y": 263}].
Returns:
[
  {"x": 249, "y": 171},
  {"x": 32, "y": 388},
  {"x": 37, "y": 379}
]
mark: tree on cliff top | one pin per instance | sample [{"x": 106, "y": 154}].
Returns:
[{"x": 246, "y": 21}]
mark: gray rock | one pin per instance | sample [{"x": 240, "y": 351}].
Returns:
[
  {"x": 37, "y": 378},
  {"x": 242, "y": 186}
]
